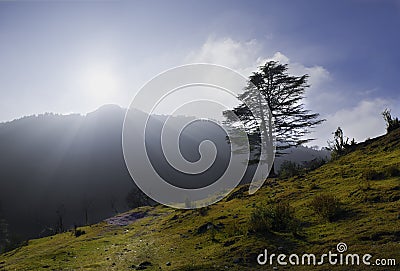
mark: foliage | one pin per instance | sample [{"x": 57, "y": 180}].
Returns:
[
  {"x": 277, "y": 98},
  {"x": 327, "y": 206},
  {"x": 79, "y": 232},
  {"x": 314, "y": 164},
  {"x": 340, "y": 144},
  {"x": 136, "y": 198},
  {"x": 392, "y": 171},
  {"x": 202, "y": 211},
  {"x": 236, "y": 229},
  {"x": 387, "y": 172},
  {"x": 13, "y": 241},
  {"x": 289, "y": 169},
  {"x": 391, "y": 123},
  {"x": 373, "y": 223},
  {"x": 372, "y": 174},
  {"x": 274, "y": 217}
]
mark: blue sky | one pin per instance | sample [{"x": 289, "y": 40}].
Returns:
[{"x": 74, "y": 56}]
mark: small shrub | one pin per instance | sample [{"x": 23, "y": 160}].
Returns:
[
  {"x": 392, "y": 171},
  {"x": 14, "y": 241},
  {"x": 314, "y": 164},
  {"x": 289, "y": 169},
  {"x": 235, "y": 229},
  {"x": 327, "y": 206},
  {"x": 391, "y": 123},
  {"x": 365, "y": 185},
  {"x": 275, "y": 217},
  {"x": 203, "y": 211},
  {"x": 136, "y": 198},
  {"x": 79, "y": 232},
  {"x": 213, "y": 234},
  {"x": 372, "y": 174},
  {"x": 340, "y": 144}
]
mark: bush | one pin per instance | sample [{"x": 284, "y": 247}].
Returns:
[
  {"x": 327, "y": 206},
  {"x": 79, "y": 232},
  {"x": 14, "y": 241},
  {"x": 235, "y": 229},
  {"x": 365, "y": 185},
  {"x": 340, "y": 144},
  {"x": 392, "y": 171},
  {"x": 289, "y": 169},
  {"x": 314, "y": 164},
  {"x": 275, "y": 217},
  {"x": 391, "y": 123},
  {"x": 372, "y": 174},
  {"x": 202, "y": 211},
  {"x": 136, "y": 198}
]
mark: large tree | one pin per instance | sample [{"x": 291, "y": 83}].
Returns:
[{"x": 276, "y": 98}]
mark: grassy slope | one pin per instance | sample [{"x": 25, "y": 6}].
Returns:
[{"x": 372, "y": 225}]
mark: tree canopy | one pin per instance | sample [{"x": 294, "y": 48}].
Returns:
[{"x": 277, "y": 97}]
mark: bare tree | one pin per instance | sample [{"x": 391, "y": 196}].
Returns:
[
  {"x": 113, "y": 203},
  {"x": 86, "y": 205},
  {"x": 340, "y": 144},
  {"x": 4, "y": 234},
  {"x": 61, "y": 211}
]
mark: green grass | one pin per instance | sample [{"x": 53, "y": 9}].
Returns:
[{"x": 370, "y": 223}]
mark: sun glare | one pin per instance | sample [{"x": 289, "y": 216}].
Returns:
[{"x": 100, "y": 83}]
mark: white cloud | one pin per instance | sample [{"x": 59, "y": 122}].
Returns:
[
  {"x": 245, "y": 57},
  {"x": 240, "y": 56},
  {"x": 318, "y": 78},
  {"x": 318, "y": 74},
  {"x": 358, "y": 116}
]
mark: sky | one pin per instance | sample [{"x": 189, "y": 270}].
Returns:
[{"x": 75, "y": 56}]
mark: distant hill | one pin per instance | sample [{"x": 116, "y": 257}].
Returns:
[
  {"x": 302, "y": 154},
  {"x": 70, "y": 162},
  {"x": 73, "y": 165},
  {"x": 366, "y": 182}
]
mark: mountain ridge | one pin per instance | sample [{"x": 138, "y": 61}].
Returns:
[
  {"x": 74, "y": 162},
  {"x": 366, "y": 181}
]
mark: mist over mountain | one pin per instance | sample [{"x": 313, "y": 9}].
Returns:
[
  {"x": 52, "y": 162},
  {"x": 73, "y": 166}
]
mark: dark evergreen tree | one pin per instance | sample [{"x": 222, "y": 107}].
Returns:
[{"x": 277, "y": 98}]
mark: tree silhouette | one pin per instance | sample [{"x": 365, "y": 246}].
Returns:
[
  {"x": 136, "y": 198},
  {"x": 340, "y": 144},
  {"x": 60, "y": 211},
  {"x": 391, "y": 123},
  {"x": 87, "y": 205},
  {"x": 277, "y": 98},
  {"x": 4, "y": 232}
]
